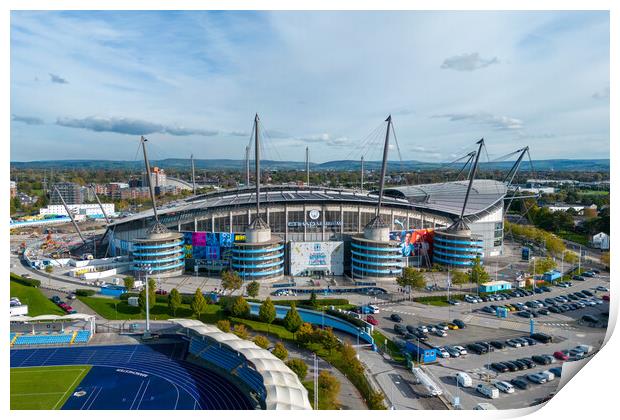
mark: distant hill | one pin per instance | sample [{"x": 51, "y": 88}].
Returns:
[{"x": 340, "y": 165}]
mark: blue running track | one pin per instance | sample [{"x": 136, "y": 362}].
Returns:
[{"x": 139, "y": 377}]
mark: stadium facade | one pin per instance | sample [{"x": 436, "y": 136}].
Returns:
[{"x": 318, "y": 231}]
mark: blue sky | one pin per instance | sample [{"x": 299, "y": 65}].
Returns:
[{"x": 85, "y": 85}]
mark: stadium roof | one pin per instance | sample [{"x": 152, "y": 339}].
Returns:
[
  {"x": 70, "y": 317},
  {"x": 448, "y": 197},
  {"x": 284, "y": 390},
  {"x": 444, "y": 198}
]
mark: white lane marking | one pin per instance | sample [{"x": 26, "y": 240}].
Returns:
[{"x": 68, "y": 389}]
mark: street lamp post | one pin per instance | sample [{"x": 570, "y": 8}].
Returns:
[{"x": 147, "y": 271}]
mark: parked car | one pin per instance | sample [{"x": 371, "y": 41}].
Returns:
[
  {"x": 542, "y": 337},
  {"x": 529, "y": 362},
  {"x": 513, "y": 343},
  {"x": 511, "y": 366},
  {"x": 396, "y": 318},
  {"x": 461, "y": 350},
  {"x": 548, "y": 375},
  {"x": 505, "y": 387},
  {"x": 560, "y": 355},
  {"x": 487, "y": 391},
  {"x": 536, "y": 378},
  {"x": 161, "y": 292},
  {"x": 498, "y": 345},
  {"x": 541, "y": 360},
  {"x": 411, "y": 328},
  {"x": 520, "y": 383},
  {"x": 557, "y": 371},
  {"x": 399, "y": 329},
  {"x": 463, "y": 380},
  {"x": 442, "y": 352},
  {"x": 458, "y": 323},
  {"x": 372, "y": 320},
  {"x": 440, "y": 333},
  {"x": 453, "y": 352},
  {"x": 55, "y": 299},
  {"x": 579, "y": 278},
  {"x": 499, "y": 367},
  {"x": 520, "y": 364}
]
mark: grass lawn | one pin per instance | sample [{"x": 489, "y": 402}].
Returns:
[
  {"x": 392, "y": 348},
  {"x": 277, "y": 330},
  {"x": 44, "y": 388},
  {"x": 119, "y": 309},
  {"x": 37, "y": 303},
  {"x": 574, "y": 237}
]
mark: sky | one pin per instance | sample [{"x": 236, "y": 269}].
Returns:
[{"x": 86, "y": 85}]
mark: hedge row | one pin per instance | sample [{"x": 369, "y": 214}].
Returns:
[
  {"x": 85, "y": 292},
  {"x": 24, "y": 281}
]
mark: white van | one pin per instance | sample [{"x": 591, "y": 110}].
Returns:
[
  {"x": 464, "y": 380},
  {"x": 487, "y": 391},
  {"x": 374, "y": 309}
]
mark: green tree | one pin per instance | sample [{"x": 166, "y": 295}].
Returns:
[
  {"x": 280, "y": 351},
  {"x": 411, "y": 277},
  {"x": 478, "y": 274},
  {"x": 542, "y": 265},
  {"x": 241, "y": 331},
  {"x": 305, "y": 333},
  {"x": 299, "y": 367},
  {"x": 292, "y": 320},
  {"x": 129, "y": 283},
  {"x": 458, "y": 277},
  {"x": 174, "y": 301},
  {"x": 329, "y": 387},
  {"x": 329, "y": 340},
  {"x": 231, "y": 280},
  {"x": 261, "y": 341},
  {"x": 224, "y": 325},
  {"x": 313, "y": 300},
  {"x": 152, "y": 296},
  {"x": 199, "y": 303},
  {"x": 267, "y": 311},
  {"x": 253, "y": 288},
  {"x": 240, "y": 307}
]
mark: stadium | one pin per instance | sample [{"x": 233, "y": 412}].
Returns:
[
  {"x": 318, "y": 231},
  {"x": 192, "y": 366}
]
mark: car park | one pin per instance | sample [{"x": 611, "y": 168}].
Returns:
[
  {"x": 520, "y": 383},
  {"x": 505, "y": 387},
  {"x": 396, "y": 318}
]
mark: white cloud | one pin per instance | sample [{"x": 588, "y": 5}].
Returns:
[{"x": 496, "y": 122}]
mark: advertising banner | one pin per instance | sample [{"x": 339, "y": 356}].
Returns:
[
  {"x": 307, "y": 257},
  {"x": 413, "y": 242}
]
